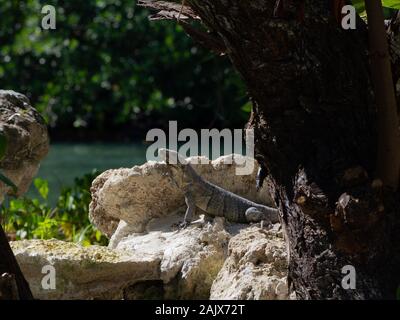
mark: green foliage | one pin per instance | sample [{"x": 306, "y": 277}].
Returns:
[
  {"x": 28, "y": 218},
  {"x": 387, "y": 4},
  {"x": 42, "y": 187},
  {"x": 106, "y": 67},
  {"x": 394, "y": 4}
]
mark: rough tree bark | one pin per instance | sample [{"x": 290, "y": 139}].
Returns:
[
  {"x": 314, "y": 116},
  {"x": 388, "y": 152},
  {"x": 13, "y": 285}
]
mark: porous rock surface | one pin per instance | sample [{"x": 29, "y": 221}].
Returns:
[
  {"x": 256, "y": 267},
  {"x": 27, "y": 141},
  {"x": 80, "y": 272},
  {"x": 194, "y": 263},
  {"x": 150, "y": 257}
]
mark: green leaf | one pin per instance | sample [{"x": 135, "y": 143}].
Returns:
[
  {"x": 42, "y": 187},
  {"x": 360, "y": 5},
  {"x": 98, "y": 238},
  {"x": 394, "y": 4},
  {"x": 8, "y": 182},
  {"x": 247, "y": 107}
]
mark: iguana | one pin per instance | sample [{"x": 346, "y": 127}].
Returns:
[{"x": 213, "y": 200}]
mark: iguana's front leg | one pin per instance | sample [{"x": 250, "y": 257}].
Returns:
[{"x": 191, "y": 208}]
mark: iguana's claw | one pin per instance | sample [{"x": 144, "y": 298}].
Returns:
[
  {"x": 265, "y": 224},
  {"x": 199, "y": 222},
  {"x": 183, "y": 225}
]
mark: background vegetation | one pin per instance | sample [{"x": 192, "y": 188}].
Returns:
[
  {"x": 108, "y": 73},
  {"x": 28, "y": 218},
  {"x": 105, "y": 74}
]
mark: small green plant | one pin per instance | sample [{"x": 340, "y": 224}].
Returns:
[
  {"x": 389, "y": 6},
  {"x": 28, "y": 218}
]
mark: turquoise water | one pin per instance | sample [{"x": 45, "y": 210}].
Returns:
[{"x": 67, "y": 161}]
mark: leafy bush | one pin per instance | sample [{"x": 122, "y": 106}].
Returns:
[
  {"x": 28, "y": 218},
  {"x": 107, "y": 69}
]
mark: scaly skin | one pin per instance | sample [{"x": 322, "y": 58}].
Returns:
[{"x": 213, "y": 200}]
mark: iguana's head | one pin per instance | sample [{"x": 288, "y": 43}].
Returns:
[
  {"x": 182, "y": 172},
  {"x": 172, "y": 158}
]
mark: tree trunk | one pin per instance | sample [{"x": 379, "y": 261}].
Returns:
[
  {"x": 12, "y": 282},
  {"x": 388, "y": 157},
  {"x": 314, "y": 116}
]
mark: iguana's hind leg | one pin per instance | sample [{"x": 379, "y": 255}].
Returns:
[
  {"x": 254, "y": 215},
  {"x": 191, "y": 208}
]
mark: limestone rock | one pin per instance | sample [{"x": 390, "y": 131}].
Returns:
[
  {"x": 27, "y": 140},
  {"x": 97, "y": 214},
  {"x": 149, "y": 256},
  {"x": 181, "y": 264},
  {"x": 147, "y": 206},
  {"x": 255, "y": 269},
  {"x": 189, "y": 259},
  {"x": 163, "y": 263},
  {"x": 146, "y": 192},
  {"x": 80, "y": 272}
]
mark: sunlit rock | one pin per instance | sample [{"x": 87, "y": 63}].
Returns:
[
  {"x": 146, "y": 192},
  {"x": 27, "y": 140},
  {"x": 150, "y": 257},
  {"x": 255, "y": 269}
]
